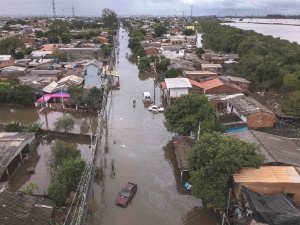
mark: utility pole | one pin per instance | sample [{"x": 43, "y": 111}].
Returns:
[
  {"x": 53, "y": 9},
  {"x": 191, "y": 11},
  {"x": 73, "y": 12}
]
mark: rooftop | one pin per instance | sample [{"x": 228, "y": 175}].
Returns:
[
  {"x": 182, "y": 146},
  {"x": 247, "y": 105},
  {"x": 24, "y": 209},
  {"x": 178, "y": 83},
  {"x": 11, "y": 144},
  {"x": 4, "y": 57},
  {"x": 276, "y": 149},
  {"x": 267, "y": 174}
]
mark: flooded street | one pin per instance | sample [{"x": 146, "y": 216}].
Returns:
[{"x": 139, "y": 150}]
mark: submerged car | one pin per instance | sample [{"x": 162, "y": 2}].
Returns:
[
  {"x": 156, "y": 108},
  {"x": 126, "y": 195}
]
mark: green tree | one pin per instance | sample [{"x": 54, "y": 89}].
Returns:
[
  {"x": 187, "y": 112},
  {"x": 109, "y": 18},
  {"x": 291, "y": 82},
  {"x": 64, "y": 123},
  {"x": 29, "y": 189},
  {"x": 172, "y": 73},
  {"x": 32, "y": 127},
  {"x": 188, "y": 32},
  {"x": 19, "y": 55},
  {"x": 293, "y": 104},
  {"x": 69, "y": 173},
  {"x": 52, "y": 38},
  {"x": 39, "y": 34},
  {"x": 213, "y": 160},
  {"x": 133, "y": 43},
  {"x": 28, "y": 51},
  {"x": 57, "y": 192},
  {"x": 60, "y": 55},
  {"x": 76, "y": 96},
  {"x": 159, "y": 30},
  {"x": 10, "y": 45},
  {"x": 200, "y": 52},
  {"x": 65, "y": 38},
  {"x": 94, "y": 98},
  {"x": 13, "y": 127},
  {"x": 106, "y": 51},
  {"x": 62, "y": 151},
  {"x": 144, "y": 64},
  {"x": 162, "y": 64}
]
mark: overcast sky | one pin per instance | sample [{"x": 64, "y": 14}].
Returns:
[{"x": 150, "y": 7}]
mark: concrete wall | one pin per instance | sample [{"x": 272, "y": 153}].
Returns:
[{"x": 177, "y": 92}]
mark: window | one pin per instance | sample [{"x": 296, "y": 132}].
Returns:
[
  {"x": 259, "y": 118},
  {"x": 290, "y": 195}
]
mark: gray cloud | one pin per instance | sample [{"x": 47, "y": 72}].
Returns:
[{"x": 153, "y": 7}]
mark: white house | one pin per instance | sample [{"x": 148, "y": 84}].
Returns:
[
  {"x": 173, "y": 51},
  {"x": 173, "y": 88}
]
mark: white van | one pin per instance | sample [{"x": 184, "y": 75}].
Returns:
[{"x": 146, "y": 97}]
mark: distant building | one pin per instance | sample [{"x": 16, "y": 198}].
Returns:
[
  {"x": 173, "y": 88},
  {"x": 83, "y": 53},
  {"x": 251, "y": 112},
  {"x": 6, "y": 60}
]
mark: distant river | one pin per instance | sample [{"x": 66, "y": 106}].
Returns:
[{"x": 286, "y": 32}]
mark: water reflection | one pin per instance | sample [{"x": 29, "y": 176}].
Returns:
[
  {"x": 47, "y": 118},
  {"x": 145, "y": 76},
  {"x": 199, "y": 214},
  {"x": 39, "y": 159}
]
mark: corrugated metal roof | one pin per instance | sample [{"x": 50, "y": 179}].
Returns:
[
  {"x": 178, "y": 83},
  {"x": 267, "y": 174},
  {"x": 4, "y": 57},
  {"x": 275, "y": 148},
  {"x": 247, "y": 105},
  {"x": 24, "y": 209},
  {"x": 10, "y": 146},
  {"x": 198, "y": 72}
]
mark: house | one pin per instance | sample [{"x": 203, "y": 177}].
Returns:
[
  {"x": 268, "y": 180},
  {"x": 11, "y": 72},
  {"x": 103, "y": 40},
  {"x": 173, "y": 51},
  {"x": 239, "y": 81},
  {"x": 84, "y": 53},
  {"x": 251, "y": 112},
  {"x": 93, "y": 75},
  {"x": 278, "y": 150},
  {"x": 6, "y": 60},
  {"x": 216, "y": 86},
  {"x": 13, "y": 148},
  {"x": 18, "y": 208},
  {"x": 173, "y": 88},
  {"x": 198, "y": 74},
  {"x": 211, "y": 67}
]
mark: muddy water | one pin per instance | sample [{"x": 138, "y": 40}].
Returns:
[
  {"x": 9, "y": 114},
  {"x": 140, "y": 150},
  {"x": 39, "y": 159}
]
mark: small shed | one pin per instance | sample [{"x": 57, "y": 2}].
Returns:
[
  {"x": 182, "y": 146},
  {"x": 13, "y": 147}
]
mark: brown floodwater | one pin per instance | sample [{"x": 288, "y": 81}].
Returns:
[{"x": 139, "y": 149}]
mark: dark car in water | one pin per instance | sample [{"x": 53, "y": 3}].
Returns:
[{"x": 126, "y": 195}]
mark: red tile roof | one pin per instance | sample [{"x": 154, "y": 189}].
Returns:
[
  {"x": 212, "y": 84},
  {"x": 196, "y": 83},
  {"x": 163, "y": 85}
]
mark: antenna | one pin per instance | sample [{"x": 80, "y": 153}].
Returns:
[
  {"x": 53, "y": 9},
  {"x": 73, "y": 12},
  {"x": 191, "y": 11}
]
